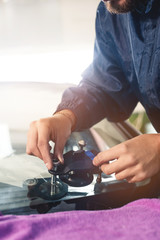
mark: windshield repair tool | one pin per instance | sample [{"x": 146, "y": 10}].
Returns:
[
  {"x": 76, "y": 171},
  {"x": 53, "y": 188},
  {"x": 56, "y": 162},
  {"x": 56, "y": 188},
  {"x": 99, "y": 176}
]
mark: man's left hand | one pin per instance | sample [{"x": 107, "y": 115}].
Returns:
[{"x": 136, "y": 159}]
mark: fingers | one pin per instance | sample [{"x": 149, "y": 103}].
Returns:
[
  {"x": 137, "y": 158},
  {"x": 32, "y": 140},
  {"x": 125, "y": 166},
  {"x": 57, "y": 129},
  {"x": 45, "y": 152},
  {"x": 43, "y": 145},
  {"x": 126, "y": 174},
  {"x": 131, "y": 176},
  {"x": 116, "y": 166},
  {"x": 58, "y": 149},
  {"x": 129, "y": 172},
  {"x": 109, "y": 155},
  {"x": 59, "y": 155},
  {"x": 38, "y": 143}
]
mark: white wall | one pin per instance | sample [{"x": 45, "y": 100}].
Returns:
[
  {"x": 41, "y": 25},
  {"x": 21, "y": 103},
  {"x": 46, "y": 40}
]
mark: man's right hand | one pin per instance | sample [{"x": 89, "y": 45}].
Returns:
[{"x": 57, "y": 129}]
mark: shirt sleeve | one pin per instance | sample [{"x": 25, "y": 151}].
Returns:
[{"x": 104, "y": 90}]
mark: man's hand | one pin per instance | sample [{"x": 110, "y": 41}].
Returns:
[
  {"x": 56, "y": 128},
  {"x": 136, "y": 159}
]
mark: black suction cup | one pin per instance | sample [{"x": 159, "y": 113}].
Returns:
[
  {"x": 53, "y": 192},
  {"x": 77, "y": 179}
]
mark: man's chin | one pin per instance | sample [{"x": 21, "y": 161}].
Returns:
[{"x": 120, "y": 6}]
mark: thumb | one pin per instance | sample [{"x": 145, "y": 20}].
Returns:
[
  {"x": 58, "y": 152},
  {"x": 60, "y": 157}
]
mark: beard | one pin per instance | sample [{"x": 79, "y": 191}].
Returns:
[{"x": 120, "y": 6}]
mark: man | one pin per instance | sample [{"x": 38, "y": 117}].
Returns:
[{"x": 125, "y": 71}]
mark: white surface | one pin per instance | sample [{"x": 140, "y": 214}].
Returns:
[
  {"x": 21, "y": 103},
  {"x": 45, "y": 25},
  {"x": 5, "y": 142},
  {"x": 53, "y": 67},
  {"x": 18, "y": 168},
  {"x": 46, "y": 40}
]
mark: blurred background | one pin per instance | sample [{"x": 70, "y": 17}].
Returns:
[{"x": 46, "y": 40}]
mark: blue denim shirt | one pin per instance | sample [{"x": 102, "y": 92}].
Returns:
[{"x": 125, "y": 69}]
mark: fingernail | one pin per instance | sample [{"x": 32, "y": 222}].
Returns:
[
  {"x": 47, "y": 165},
  {"x": 62, "y": 161}
]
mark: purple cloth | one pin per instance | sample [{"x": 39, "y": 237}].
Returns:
[{"x": 136, "y": 220}]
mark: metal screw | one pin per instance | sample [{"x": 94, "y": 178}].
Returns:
[{"x": 82, "y": 144}]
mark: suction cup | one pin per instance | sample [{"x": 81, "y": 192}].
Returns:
[
  {"x": 55, "y": 191},
  {"x": 75, "y": 179}
]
